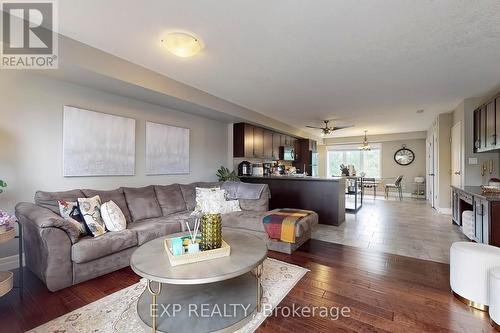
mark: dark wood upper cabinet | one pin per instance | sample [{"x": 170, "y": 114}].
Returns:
[
  {"x": 243, "y": 140},
  {"x": 268, "y": 144},
  {"x": 497, "y": 126},
  {"x": 490, "y": 125},
  {"x": 487, "y": 126},
  {"x": 276, "y": 145},
  {"x": 258, "y": 142},
  {"x": 477, "y": 130}
]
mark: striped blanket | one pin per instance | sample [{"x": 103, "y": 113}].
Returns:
[{"x": 281, "y": 224}]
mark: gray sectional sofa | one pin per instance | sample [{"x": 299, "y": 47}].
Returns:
[{"x": 151, "y": 212}]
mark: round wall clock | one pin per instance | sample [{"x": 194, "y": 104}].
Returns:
[{"x": 404, "y": 156}]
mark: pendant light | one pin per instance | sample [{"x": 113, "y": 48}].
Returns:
[{"x": 365, "y": 145}]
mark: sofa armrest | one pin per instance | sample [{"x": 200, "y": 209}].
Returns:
[
  {"x": 257, "y": 205},
  {"x": 47, "y": 248}
]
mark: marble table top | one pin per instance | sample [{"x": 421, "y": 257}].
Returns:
[{"x": 247, "y": 252}]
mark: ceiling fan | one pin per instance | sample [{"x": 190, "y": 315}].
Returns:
[{"x": 327, "y": 129}]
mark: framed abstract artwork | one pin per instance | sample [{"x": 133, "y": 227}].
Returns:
[
  {"x": 97, "y": 144},
  {"x": 167, "y": 149}
]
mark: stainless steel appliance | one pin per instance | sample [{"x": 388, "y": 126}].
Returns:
[
  {"x": 287, "y": 153},
  {"x": 257, "y": 170},
  {"x": 245, "y": 169},
  {"x": 267, "y": 169}
]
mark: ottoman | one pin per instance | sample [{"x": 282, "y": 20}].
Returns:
[
  {"x": 303, "y": 232},
  {"x": 470, "y": 264},
  {"x": 495, "y": 297}
]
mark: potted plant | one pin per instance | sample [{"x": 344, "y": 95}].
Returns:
[
  {"x": 6, "y": 221},
  {"x": 224, "y": 174}
]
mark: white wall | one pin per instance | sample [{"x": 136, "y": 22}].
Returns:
[
  {"x": 391, "y": 169},
  {"x": 31, "y": 110}
]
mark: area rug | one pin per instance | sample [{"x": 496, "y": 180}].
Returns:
[{"x": 117, "y": 312}]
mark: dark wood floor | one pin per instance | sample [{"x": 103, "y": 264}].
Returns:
[{"x": 385, "y": 292}]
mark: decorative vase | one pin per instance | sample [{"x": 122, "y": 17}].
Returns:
[{"x": 211, "y": 231}]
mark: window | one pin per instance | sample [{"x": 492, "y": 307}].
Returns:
[{"x": 368, "y": 162}]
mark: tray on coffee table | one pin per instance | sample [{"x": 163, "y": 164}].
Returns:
[{"x": 189, "y": 258}]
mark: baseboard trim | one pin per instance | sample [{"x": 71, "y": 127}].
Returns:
[{"x": 10, "y": 262}]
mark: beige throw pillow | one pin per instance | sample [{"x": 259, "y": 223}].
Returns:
[
  {"x": 113, "y": 217},
  {"x": 213, "y": 201}
]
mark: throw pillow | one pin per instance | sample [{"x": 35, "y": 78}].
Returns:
[
  {"x": 113, "y": 217},
  {"x": 213, "y": 201},
  {"x": 69, "y": 211},
  {"x": 90, "y": 208},
  {"x": 231, "y": 206}
]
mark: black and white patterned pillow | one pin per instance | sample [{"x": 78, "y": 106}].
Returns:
[{"x": 90, "y": 208}]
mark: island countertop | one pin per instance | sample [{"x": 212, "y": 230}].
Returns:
[
  {"x": 478, "y": 192},
  {"x": 306, "y": 178}
]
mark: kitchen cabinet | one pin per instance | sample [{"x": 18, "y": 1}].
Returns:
[
  {"x": 490, "y": 126},
  {"x": 487, "y": 126},
  {"x": 455, "y": 211},
  {"x": 258, "y": 142},
  {"x": 268, "y": 144},
  {"x": 497, "y": 117},
  {"x": 243, "y": 140},
  {"x": 477, "y": 130},
  {"x": 486, "y": 211},
  {"x": 306, "y": 156},
  {"x": 276, "y": 145}
]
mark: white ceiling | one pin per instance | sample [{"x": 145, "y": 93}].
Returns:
[{"x": 369, "y": 63}]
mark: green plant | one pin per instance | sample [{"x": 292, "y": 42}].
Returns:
[
  {"x": 224, "y": 174},
  {"x": 2, "y": 184}
]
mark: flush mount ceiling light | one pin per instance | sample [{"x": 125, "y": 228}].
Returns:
[
  {"x": 182, "y": 44},
  {"x": 365, "y": 145}
]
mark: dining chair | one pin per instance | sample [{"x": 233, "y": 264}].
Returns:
[
  {"x": 370, "y": 183},
  {"x": 397, "y": 186}
]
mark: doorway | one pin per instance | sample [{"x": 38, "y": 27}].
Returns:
[
  {"x": 431, "y": 169},
  {"x": 456, "y": 154}
]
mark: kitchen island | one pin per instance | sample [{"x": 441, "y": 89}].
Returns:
[
  {"x": 325, "y": 196},
  {"x": 486, "y": 211}
]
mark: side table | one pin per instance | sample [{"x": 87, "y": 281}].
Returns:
[{"x": 7, "y": 277}]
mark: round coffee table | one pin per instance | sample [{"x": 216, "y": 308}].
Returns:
[{"x": 219, "y": 295}]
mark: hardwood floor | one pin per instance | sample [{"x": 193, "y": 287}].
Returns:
[
  {"x": 409, "y": 228},
  {"x": 385, "y": 293}
]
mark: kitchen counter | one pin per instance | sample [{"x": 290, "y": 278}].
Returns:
[
  {"x": 325, "y": 196},
  {"x": 309, "y": 178},
  {"x": 476, "y": 191}
]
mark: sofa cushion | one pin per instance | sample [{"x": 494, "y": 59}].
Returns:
[
  {"x": 91, "y": 248},
  {"x": 189, "y": 195},
  {"x": 117, "y": 196},
  {"x": 142, "y": 202},
  {"x": 170, "y": 199},
  {"x": 182, "y": 218},
  {"x": 150, "y": 229},
  {"x": 49, "y": 199}
]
